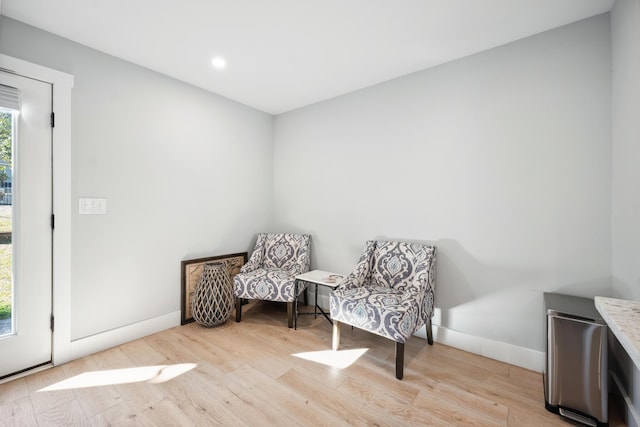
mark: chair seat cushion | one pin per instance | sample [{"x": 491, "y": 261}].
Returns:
[
  {"x": 265, "y": 284},
  {"x": 379, "y": 309}
]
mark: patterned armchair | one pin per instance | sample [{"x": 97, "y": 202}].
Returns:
[
  {"x": 390, "y": 293},
  {"x": 270, "y": 272}
]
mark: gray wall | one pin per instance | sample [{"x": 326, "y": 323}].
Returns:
[
  {"x": 186, "y": 174},
  {"x": 626, "y": 149},
  {"x": 625, "y": 19},
  {"x": 502, "y": 159}
]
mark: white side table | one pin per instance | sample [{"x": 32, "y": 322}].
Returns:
[{"x": 317, "y": 278}]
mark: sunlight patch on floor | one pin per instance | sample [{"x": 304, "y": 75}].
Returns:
[
  {"x": 151, "y": 374},
  {"x": 339, "y": 359}
]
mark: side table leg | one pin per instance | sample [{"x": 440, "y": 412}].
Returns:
[{"x": 295, "y": 307}]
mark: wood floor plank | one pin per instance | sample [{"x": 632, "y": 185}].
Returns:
[
  {"x": 142, "y": 354},
  {"x": 67, "y": 414},
  {"x": 453, "y": 412},
  {"x": 18, "y": 413},
  {"x": 45, "y": 400},
  {"x": 113, "y": 358},
  {"x": 380, "y": 378},
  {"x": 218, "y": 398},
  {"x": 248, "y": 406},
  {"x": 525, "y": 417},
  {"x": 123, "y": 414},
  {"x": 173, "y": 351},
  {"x": 197, "y": 400},
  {"x": 166, "y": 413},
  {"x": 260, "y": 372},
  {"x": 140, "y": 393},
  {"x": 204, "y": 343},
  {"x": 92, "y": 398},
  {"x": 387, "y": 403},
  {"x": 268, "y": 359},
  {"x": 494, "y": 384},
  {"x": 340, "y": 403},
  {"x": 290, "y": 407},
  {"x": 13, "y": 390},
  {"x": 480, "y": 405}
]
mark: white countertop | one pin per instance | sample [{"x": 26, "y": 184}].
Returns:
[{"x": 623, "y": 319}]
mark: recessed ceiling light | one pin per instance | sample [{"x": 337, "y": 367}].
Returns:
[{"x": 219, "y": 62}]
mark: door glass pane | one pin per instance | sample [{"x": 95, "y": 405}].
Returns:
[{"x": 7, "y": 128}]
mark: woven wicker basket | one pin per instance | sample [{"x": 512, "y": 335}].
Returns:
[{"x": 213, "y": 298}]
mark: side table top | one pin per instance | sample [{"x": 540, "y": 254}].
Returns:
[{"x": 325, "y": 278}]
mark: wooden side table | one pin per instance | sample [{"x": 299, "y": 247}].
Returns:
[{"x": 317, "y": 278}]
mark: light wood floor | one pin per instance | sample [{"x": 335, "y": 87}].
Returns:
[{"x": 246, "y": 374}]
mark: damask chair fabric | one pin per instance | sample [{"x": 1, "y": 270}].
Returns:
[
  {"x": 390, "y": 292},
  {"x": 270, "y": 272}
]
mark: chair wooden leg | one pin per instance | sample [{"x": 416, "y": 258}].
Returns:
[
  {"x": 290, "y": 314},
  {"x": 399, "y": 360},
  {"x": 429, "y": 332},
  {"x": 335, "y": 342},
  {"x": 238, "y": 309}
]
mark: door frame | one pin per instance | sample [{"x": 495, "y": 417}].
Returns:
[{"x": 62, "y": 84}]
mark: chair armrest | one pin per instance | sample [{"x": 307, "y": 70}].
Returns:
[
  {"x": 255, "y": 261},
  {"x": 303, "y": 260},
  {"x": 358, "y": 277},
  {"x": 423, "y": 285},
  {"x": 352, "y": 281}
]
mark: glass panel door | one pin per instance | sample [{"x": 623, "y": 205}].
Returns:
[
  {"x": 25, "y": 227},
  {"x": 7, "y": 126}
]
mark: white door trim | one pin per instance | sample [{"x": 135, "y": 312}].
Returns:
[{"x": 62, "y": 85}]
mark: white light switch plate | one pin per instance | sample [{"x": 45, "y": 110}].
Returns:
[{"x": 92, "y": 206}]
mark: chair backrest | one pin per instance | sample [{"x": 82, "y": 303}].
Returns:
[
  {"x": 397, "y": 264},
  {"x": 286, "y": 251}
]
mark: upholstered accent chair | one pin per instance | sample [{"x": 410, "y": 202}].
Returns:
[
  {"x": 271, "y": 270},
  {"x": 390, "y": 292}
]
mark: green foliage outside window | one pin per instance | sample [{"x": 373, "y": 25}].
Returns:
[
  {"x": 5, "y": 143},
  {"x": 5, "y": 222}
]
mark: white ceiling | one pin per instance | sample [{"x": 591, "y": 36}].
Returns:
[{"x": 284, "y": 54}]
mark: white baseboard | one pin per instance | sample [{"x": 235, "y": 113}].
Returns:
[
  {"x": 504, "y": 352},
  {"x": 508, "y": 353},
  {"x": 102, "y": 341}
]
